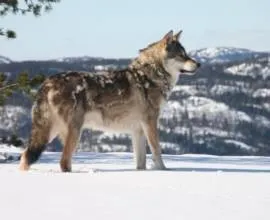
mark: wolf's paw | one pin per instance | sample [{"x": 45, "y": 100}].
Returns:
[
  {"x": 141, "y": 167},
  {"x": 23, "y": 166},
  {"x": 158, "y": 167}
]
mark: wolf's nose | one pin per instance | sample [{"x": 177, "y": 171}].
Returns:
[{"x": 198, "y": 65}]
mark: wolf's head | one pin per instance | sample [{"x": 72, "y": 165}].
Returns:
[
  {"x": 170, "y": 54},
  {"x": 175, "y": 58}
]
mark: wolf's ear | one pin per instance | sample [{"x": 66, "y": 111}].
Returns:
[
  {"x": 177, "y": 35},
  {"x": 168, "y": 37}
]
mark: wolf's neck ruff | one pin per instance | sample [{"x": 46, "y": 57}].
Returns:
[{"x": 149, "y": 76}]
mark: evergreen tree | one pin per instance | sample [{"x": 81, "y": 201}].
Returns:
[{"x": 22, "y": 83}]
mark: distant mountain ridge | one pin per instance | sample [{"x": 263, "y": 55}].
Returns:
[
  {"x": 205, "y": 55},
  {"x": 77, "y": 59},
  {"x": 224, "y": 54}
]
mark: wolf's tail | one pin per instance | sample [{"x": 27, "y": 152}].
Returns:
[{"x": 40, "y": 131}]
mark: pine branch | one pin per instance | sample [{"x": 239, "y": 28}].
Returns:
[{"x": 8, "y": 86}]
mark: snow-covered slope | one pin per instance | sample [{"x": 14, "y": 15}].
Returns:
[
  {"x": 106, "y": 186},
  {"x": 14, "y": 119},
  {"x": 199, "y": 106},
  {"x": 223, "y": 54},
  {"x": 77, "y": 59},
  {"x": 205, "y": 55},
  {"x": 9, "y": 153},
  {"x": 253, "y": 70},
  {"x": 9, "y": 116}
]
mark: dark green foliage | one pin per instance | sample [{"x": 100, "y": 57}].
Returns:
[
  {"x": 22, "y": 83},
  {"x": 16, "y": 7},
  {"x": 8, "y": 33}
]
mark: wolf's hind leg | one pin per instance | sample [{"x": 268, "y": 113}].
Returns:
[
  {"x": 36, "y": 145},
  {"x": 139, "y": 148},
  {"x": 39, "y": 137}
]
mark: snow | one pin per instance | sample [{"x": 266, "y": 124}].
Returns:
[
  {"x": 197, "y": 106},
  {"x": 222, "y": 54},
  {"x": 262, "y": 121},
  {"x": 263, "y": 93},
  {"x": 5, "y": 148},
  {"x": 169, "y": 145},
  {"x": 240, "y": 144},
  {"x": 76, "y": 59},
  {"x": 199, "y": 131},
  {"x": 222, "y": 89},
  {"x": 185, "y": 89},
  {"x": 99, "y": 68},
  {"x": 10, "y": 115},
  {"x": 106, "y": 186},
  {"x": 109, "y": 135},
  {"x": 7, "y": 151},
  {"x": 249, "y": 69},
  {"x": 210, "y": 131}
]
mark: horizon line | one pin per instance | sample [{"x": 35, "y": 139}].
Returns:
[{"x": 122, "y": 58}]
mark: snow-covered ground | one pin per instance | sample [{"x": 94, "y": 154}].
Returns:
[{"x": 106, "y": 186}]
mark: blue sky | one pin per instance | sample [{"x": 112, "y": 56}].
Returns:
[{"x": 118, "y": 28}]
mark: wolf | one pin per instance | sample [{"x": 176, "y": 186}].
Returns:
[{"x": 128, "y": 101}]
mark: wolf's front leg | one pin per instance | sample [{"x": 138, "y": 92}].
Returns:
[
  {"x": 69, "y": 140},
  {"x": 139, "y": 148},
  {"x": 151, "y": 132}
]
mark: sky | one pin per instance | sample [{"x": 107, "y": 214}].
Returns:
[{"x": 119, "y": 28}]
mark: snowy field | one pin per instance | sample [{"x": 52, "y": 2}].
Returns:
[{"x": 106, "y": 186}]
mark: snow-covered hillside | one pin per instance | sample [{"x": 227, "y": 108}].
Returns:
[
  {"x": 106, "y": 186},
  {"x": 205, "y": 55},
  {"x": 77, "y": 59},
  {"x": 13, "y": 119},
  {"x": 253, "y": 70},
  {"x": 223, "y": 54},
  {"x": 199, "y": 106},
  {"x": 10, "y": 115}
]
